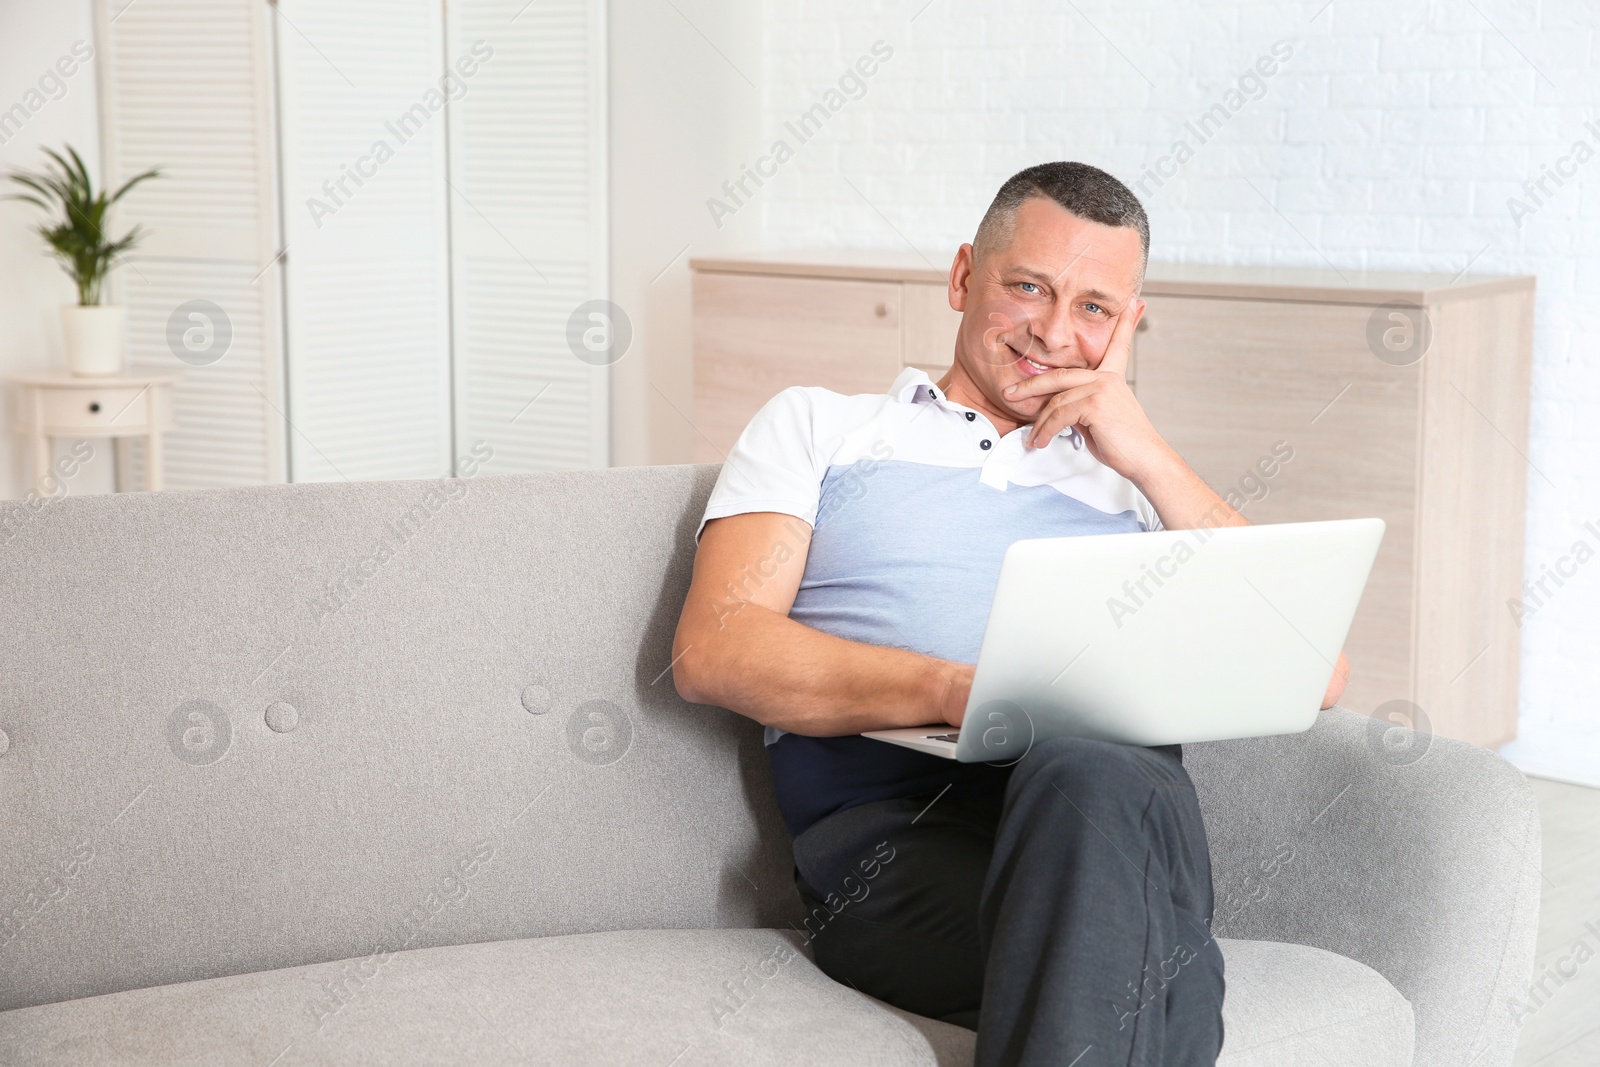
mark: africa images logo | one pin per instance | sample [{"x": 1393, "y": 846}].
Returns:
[
  {"x": 199, "y": 732},
  {"x": 599, "y": 732}
]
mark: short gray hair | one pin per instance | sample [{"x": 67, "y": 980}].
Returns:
[{"x": 1087, "y": 192}]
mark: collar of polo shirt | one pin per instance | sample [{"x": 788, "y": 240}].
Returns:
[{"x": 913, "y": 386}]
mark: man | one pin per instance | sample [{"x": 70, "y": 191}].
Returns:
[{"x": 846, "y": 562}]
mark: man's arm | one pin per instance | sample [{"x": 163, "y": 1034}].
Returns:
[
  {"x": 737, "y": 647},
  {"x": 1101, "y": 404}
]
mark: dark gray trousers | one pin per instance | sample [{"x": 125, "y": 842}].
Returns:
[{"x": 1061, "y": 907}]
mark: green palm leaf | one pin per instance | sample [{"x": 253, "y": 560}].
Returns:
[{"x": 76, "y": 236}]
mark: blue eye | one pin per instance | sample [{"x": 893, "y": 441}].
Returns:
[
  {"x": 1028, "y": 287},
  {"x": 1094, "y": 307}
]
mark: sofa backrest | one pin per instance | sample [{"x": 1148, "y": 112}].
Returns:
[{"x": 259, "y": 727}]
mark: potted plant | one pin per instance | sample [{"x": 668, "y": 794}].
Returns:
[{"x": 94, "y": 333}]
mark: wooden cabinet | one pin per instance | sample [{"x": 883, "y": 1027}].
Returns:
[{"x": 1403, "y": 396}]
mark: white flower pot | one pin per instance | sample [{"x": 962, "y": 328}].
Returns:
[{"x": 94, "y": 337}]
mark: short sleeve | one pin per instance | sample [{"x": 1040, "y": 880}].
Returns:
[{"x": 774, "y": 465}]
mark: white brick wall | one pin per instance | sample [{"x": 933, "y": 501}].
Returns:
[{"x": 1390, "y": 140}]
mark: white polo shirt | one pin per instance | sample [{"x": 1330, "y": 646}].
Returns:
[{"x": 913, "y": 500}]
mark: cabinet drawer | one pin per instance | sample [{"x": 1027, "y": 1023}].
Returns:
[
  {"x": 122, "y": 408},
  {"x": 756, "y": 335}
]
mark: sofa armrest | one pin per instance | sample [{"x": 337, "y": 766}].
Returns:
[{"x": 1414, "y": 854}]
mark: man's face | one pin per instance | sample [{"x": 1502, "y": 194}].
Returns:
[{"x": 1048, "y": 299}]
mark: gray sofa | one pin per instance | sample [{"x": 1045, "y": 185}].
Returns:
[{"x": 395, "y": 772}]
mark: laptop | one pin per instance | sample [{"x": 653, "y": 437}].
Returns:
[{"x": 1160, "y": 638}]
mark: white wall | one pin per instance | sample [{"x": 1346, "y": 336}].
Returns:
[
  {"x": 33, "y": 37},
  {"x": 685, "y": 111},
  {"x": 1391, "y": 138}
]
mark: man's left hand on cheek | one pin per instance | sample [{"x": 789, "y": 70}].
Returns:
[{"x": 1099, "y": 402}]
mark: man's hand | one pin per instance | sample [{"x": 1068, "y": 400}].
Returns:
[
  {"x": 1102, "y": 406},
  {"x": 1119, "y": 434}
]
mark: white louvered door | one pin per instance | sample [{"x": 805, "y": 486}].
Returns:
[
  {"x": 406, "y": 294},
  {"x": 186, "y": 85},
  {"x": 367, "y": 272},
  {"x": 528, "y": 228}
]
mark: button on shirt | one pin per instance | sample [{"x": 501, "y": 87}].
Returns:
[{"x": 913, "y": 500}]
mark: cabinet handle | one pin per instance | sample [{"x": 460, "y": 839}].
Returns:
[
  {"x": 882, "y": 310},
  {"x": 94, "y": 407},
  {"x": 1144, "y": 324}
]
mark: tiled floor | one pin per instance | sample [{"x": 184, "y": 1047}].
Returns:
[{"x": 1562, "y": 1026}]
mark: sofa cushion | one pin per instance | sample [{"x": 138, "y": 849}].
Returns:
[
  {"x": 1291, "y": 1005},
  {"x": 650, "y": 997}
]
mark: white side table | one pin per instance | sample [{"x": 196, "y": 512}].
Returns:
[{"x": 58, "y": 404}]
